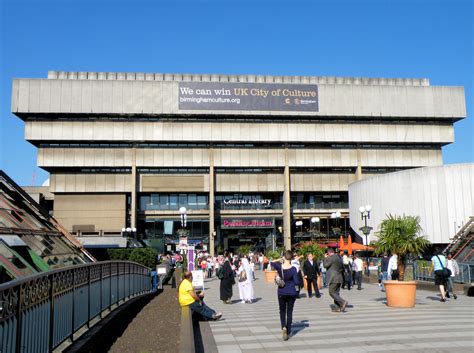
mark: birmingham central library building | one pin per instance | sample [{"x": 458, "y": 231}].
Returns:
[{"x": 248, "y": 156}]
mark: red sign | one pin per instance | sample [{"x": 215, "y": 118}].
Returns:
[{"x": 248, "y": 223}]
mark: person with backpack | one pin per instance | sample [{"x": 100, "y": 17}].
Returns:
[
  {"x": 245, "y": 277},
  {"x": 226, "y": 275}
]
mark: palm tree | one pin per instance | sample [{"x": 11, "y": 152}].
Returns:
[{"x": 401, "y": 235}]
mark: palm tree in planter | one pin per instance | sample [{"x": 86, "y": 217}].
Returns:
[{"x": 401, "y": 235}]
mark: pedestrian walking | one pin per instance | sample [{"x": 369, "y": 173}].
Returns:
[
  {"x": 296, "y": 264},
  {"x": 453, "y": 266},
  {"x": 210, "y": 267},
  {"x": 287, "y": 293},
  {"x": 245, "y": 277},
  {"x": 311, "y": 273},
  {"x": 347, "y": 274},
  {"x": 323, "y": 272},
  {"x": 439, "y": 262},
  {"x": 384, "y": 270},
  {"x": 226, "y": 275},
  {"x": 358, "y": 268},
  {"x": 334, "y": 266},
  {"x": 392, "y": 268}
]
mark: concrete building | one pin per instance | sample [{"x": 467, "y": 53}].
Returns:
[
  {"x": 247, "y": 155},
  {"x": 442, "y": 196}
]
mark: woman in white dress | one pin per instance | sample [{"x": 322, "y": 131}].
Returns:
[{"x": 245, "y": 278}]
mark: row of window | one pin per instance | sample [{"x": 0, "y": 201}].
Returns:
[
  {"x": 242, "y": 145},
  {"x": 171, "y": 201}
]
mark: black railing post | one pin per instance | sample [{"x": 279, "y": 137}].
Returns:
[
  {"x": 51, "y": 313},
  {"x": 89, "y": 297},
  {"x": 110, "y": 287},
  {"x": 129, "y": 280},
  {"x": 19, "y": 314},
  {"x": 101, "y": 279},
  {"x": 118, "y": 283},
  {"x": 73, "y": 309}
]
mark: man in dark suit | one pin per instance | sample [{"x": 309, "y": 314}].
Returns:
[
  {"x": 333, "y": 263},
  {"x": 311, "y": 273}
]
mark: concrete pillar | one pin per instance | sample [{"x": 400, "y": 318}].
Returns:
[
  {"x": 133, "y": 210},
  {"x": 211, "y": 202},
  {"x": 286, "y": 205}
]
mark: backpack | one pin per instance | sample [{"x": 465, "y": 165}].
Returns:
[
  {"x": 243, "y": 276},
  {"x": 220, "y": 272}
]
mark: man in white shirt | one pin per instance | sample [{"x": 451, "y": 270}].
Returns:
[
  {"x": 453, "y": 266},
  {"x": 359, "y": 267},
  {"x": 393, "y": 267}
]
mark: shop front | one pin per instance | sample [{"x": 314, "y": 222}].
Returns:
[{"x": 251, "y": 231}]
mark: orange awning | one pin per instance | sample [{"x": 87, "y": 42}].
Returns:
[
  {"x": 357, "y": 247},
  {"x": 349, "y": 245}
]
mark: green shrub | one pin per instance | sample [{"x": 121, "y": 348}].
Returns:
[
  {"x": 144, "y": 256},
  {"x": 119, "y": 254}
]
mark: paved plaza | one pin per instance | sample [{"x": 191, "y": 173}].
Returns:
[{"x": 367, "y": 326}]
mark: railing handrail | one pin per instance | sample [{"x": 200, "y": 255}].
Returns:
[
  {"x": 23, "y": 280},
  {"x": 62, "y": 301}
]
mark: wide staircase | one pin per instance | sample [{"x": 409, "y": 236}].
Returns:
[{"x": 462, "y": 244}]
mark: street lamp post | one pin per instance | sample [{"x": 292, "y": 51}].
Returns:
[
  {"x": 316, "y": 220},
  {"x": 336, "y": 216},
  {"x": 365, "y": 214}
]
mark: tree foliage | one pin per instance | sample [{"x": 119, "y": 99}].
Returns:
[
  {"x": 310, "y": 247},
  {"x": 143, "y": 256},
  {"x": 401, "y": 235}
]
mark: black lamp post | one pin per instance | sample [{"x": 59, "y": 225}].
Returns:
[{"x": 365, "y": 214}]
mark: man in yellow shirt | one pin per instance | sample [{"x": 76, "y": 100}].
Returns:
[{"x": 188, "y": 297}]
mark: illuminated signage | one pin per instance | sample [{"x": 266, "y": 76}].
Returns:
[{"x": 228, "y": 223}]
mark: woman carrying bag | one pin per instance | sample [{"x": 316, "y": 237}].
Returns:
[{"x": 287, "y": 291}]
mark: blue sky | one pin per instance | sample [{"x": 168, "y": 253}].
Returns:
[{"x": 376, "y": 38}]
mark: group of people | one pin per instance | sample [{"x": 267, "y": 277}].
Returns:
[
  {"x": 338, "y": 271},
  {"x": 445, "y": 269}
]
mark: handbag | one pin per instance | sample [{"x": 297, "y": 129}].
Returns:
[
  {"x": 446, "y": 271},
  {"x": 279, "y": 280}
]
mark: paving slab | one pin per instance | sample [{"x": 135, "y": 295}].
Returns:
[{"x": 367, "y": 326}]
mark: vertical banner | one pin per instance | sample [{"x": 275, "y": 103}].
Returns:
[{"x": 190, "y": 258}]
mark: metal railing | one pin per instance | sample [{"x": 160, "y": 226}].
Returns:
[
  {"x": 40, "y": 312},
  {"x": 426, "y": 273}
]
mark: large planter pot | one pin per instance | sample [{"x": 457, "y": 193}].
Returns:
[
  {"x": 270, "y": 275},
  {"x": 400, "y": 294}
]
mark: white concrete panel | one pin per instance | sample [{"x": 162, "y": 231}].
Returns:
[
  {"x": 436, "y": 194},
  {"x": 86, "y": 98},
  {"x": 117, "y": 97},
  {"x": 23, "y": 96},
  {"x": 34, "y": 95},
  {"x": 76, "y": 96}
]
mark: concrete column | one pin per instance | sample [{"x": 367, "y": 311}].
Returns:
[
  {"x": 133, "y": 211},
  {"x": 211, "y": 201},
  {"x": 286, "y": 205},
  {"x": 359, "y": 166}
]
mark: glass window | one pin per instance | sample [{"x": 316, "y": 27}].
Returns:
[
  {"x": 202, "y": 200},
  {"x": 155, "y": 200},
  {"x": 192, "y": 200},
  {"x": 164, "y": 199},
  {"x": 173, "y": 199},
  {"x": 183, "y": 199}
]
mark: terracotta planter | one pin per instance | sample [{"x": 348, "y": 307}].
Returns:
[
  {"x": 306, "y": 283},
  {"x": 270, "y": 276},
  {"x": 400, "y": 294}
]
